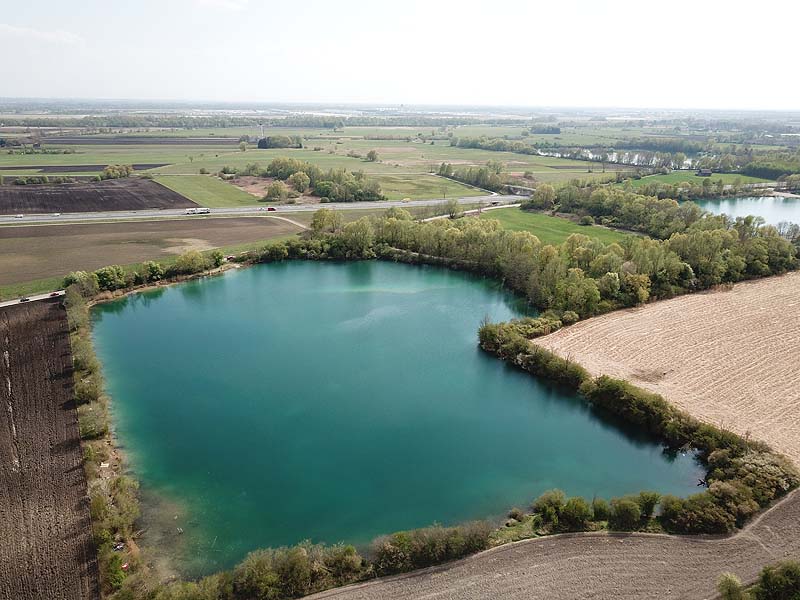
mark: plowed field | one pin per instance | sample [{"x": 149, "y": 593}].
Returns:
[
  {"x": 730, "y": 358},
  {"x": 46, "y": 550},
  {"x": 113, "y": 194}
]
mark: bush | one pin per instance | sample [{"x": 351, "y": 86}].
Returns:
[
  {"x": 600, "y": 509},
  {"x": 407, "y": 550},
  {"x": 189, "y": 263},
  {"x": 586, "y": 220},
  {"x": 569, "y": 317},
  {"x": 549, "y": 506},
  {"x": 276, "y": 191},
  {"x": 625, "y": 514},
  {"x": 575, "y": 515},
  {"x": 779, "y": 582},
  {"x": 647, "y": 503}
]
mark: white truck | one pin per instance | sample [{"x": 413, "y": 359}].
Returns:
[{"x": 198, "y": 211}]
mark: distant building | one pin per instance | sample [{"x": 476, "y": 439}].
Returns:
[{"x": 704, "y": 173}]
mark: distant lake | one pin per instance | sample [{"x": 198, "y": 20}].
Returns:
[
  {"x": 774, "y": 209},
  {"x": 337, "y": 402}
]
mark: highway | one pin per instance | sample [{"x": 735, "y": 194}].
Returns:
[
  {"x": 237, "y": 211},
  {"x": 33, "y": 298}
]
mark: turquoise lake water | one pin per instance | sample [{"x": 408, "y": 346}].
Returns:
[
  {"x": 774, "y": 209},
  {"x": 338, "y": 402}
]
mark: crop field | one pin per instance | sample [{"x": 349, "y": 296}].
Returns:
[
  {"x": 549, "y": 230},
  {"x": 46, "y": 549},
  {"x": 206, "y": 190},
  {"x": 113, "y": 194},
  {"x": 38, "y": 252},
  {"x": 677, "y": 177},
  {"x": 182, "y": 155},
  {"x": 729, "y": 358},
  {"x": 397, "y": 187}
]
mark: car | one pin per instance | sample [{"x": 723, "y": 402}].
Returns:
[
  {"x": 271, "y": 209},
  {"x": 261, "y": 208},
  {"x": 18, "y": 216},
  {"x": 54, "y": 294},
  {"x": 24, "y": 299},
  {"x": 56, "y": 214}
]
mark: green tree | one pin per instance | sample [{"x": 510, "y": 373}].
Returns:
[
  {"x": 372, "y": 156},
  {"x": 625, "y": 514},
  {"x": 453, "y": 208},
  {"x": 276, "y": 191},
  {"x": 575, "y": 515},
  {"x": 545, "y": 196},
  {"x": 730, "y": 588},
  {"x": 299, "y": 181}
]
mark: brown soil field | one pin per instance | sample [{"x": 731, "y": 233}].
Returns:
[
  {"x": 728, "y": 357},
  {"x": 138, "y": 140},
  {"x": 40, "y": 251},
  {"x": 600, "y": 566},
  {"x": 45, "y": 528},
  {"x": 114, "y": 194}
]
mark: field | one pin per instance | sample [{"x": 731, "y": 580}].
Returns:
[
  {"x": 677, "y": 177},
  {"x": 113, "y": 194},
  {"x": 207, "y": 190},
  {"x": 549, "y": 230},
  {"x": 38, "y": 252},
  {"x": 729, "y": 358},
  {"x": 397, "y": 187},
  {"x": 46, "y": 549},
  {"x": 632, "y": 566}
]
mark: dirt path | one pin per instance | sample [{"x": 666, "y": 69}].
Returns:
[
  {"x": 45, "y": 532},
  {"x": 618, "y": 566}
]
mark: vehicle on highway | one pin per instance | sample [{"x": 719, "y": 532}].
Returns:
[
  {"x": 54, "y": 294},
  {"x": 271, "y": 209},
  {"x": 18, "y": 216},
  {"x": 24, "y": 299},
  {"x": 198, "y": 211},
  {"x": 56, "y": 214}
]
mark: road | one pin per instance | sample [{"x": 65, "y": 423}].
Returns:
[
  {"x": 599, "y": 566},
  {"x": 237, "y": 211},
  {"x": 33, "y": 298}
]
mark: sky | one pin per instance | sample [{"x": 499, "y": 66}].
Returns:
[{"x": 704, "y": 54}]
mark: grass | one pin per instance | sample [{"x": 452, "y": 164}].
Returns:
[
  {"x": 420, "y": 187},
  {"x": 677, "y": 177},
  {"x": 207, "y": 190},
  {"x": 549, "y": 230}
]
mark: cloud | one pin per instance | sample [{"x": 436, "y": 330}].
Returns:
[
  {"x": 224, "y": 4},
  {"x": 27, "y": 33}
]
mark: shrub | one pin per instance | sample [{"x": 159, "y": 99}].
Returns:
[
  {"x": 600, "y": 509},
  {"x": 647, "y": 503},
  {"x": 730, "y": 588},
  {"x": 299, "y": 181},
  {"x": 516, "y": 514},
  {"x": 549, "y": 506},
  {"x": 188, "y": 263},
  {"x": 625, "y": 514},
  {"x": 575, "y": 515},
  {"x": 569, "y": 317},
  {"x": 110, "y": 278},
  {"x": 778, "y": 582},
  {"x": 586, "y": 220},
  {"x": 276, "y": 191}
]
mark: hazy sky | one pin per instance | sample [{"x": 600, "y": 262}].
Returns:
[{"x": 699, "y": 54}]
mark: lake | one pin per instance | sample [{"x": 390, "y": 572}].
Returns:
[
  {"x": 337, "y": 402},
  {"x": 774, "y": 209}
]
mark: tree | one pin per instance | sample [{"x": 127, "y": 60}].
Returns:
[
  {"x": 276, "y": 191},
  {"x": 153, "y": 271},
  {"x": 372, "y": 156},
  {"x": 299, "y": 181},
  {"x": 625, "y": 514},
  {"x": 453, "y": 208},
  {"x": 575, "y": 515},
  {"x": 325, "y": 220},
  {"x": 779, "y": 582},
  {"x": 111, "y": 277},
  {"x": 730, "y": 588},
  {"x": 242, "y": 146},
  {"x": 358, "y": 238},
  {"x": 545, "y": 197}
]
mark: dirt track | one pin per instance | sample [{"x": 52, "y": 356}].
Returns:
[
  {"x": 635, "y": 566},
  {"x": 113, "y": 194},
  {"x": 729, "y": 358},
  {"x": 45, "y": 532}
]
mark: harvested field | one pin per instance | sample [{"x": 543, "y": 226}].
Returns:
[
  {"x": 113, "y": 194},
  {"x": 46, "y": 549},
  {"x": 729, "y": 358},
  {"x": 585, "y": 565},
  {"x": 36, "y": 252}
]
